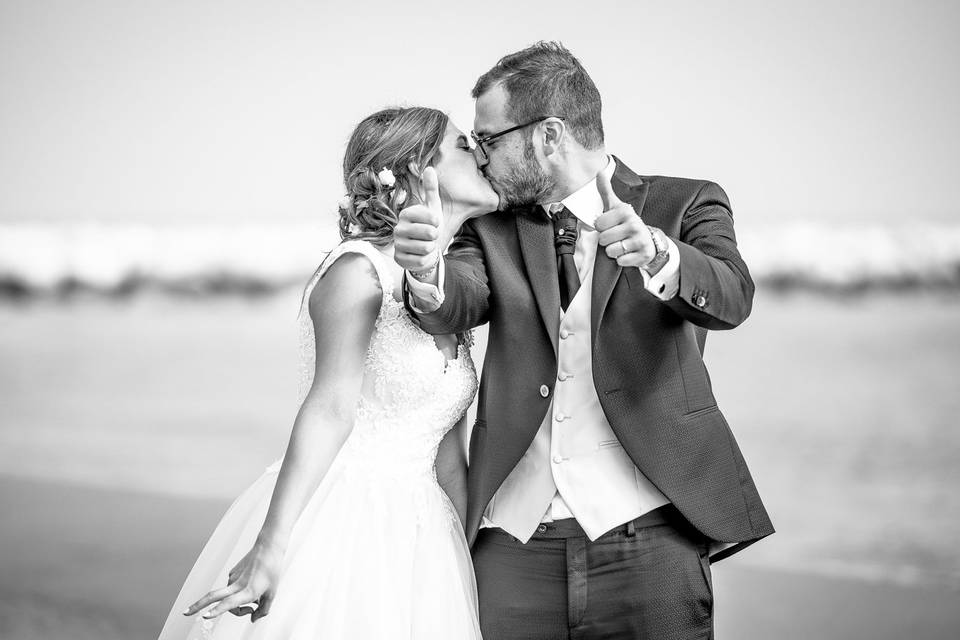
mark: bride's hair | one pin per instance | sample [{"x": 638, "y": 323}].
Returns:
[{"x": 389, "y": 139}]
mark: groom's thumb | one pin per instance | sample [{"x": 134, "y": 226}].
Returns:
[{"x": 610, "y": 199}]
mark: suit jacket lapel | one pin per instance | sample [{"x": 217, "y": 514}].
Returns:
[
  {"x": 631, "y": 189},
  {"x": 536, "y": 243}
]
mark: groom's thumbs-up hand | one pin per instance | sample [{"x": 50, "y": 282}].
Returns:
[
  {"x": 623, "y": 235},
  {"x": 416, "y": 246}
]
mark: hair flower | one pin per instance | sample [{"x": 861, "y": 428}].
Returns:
[
  {"x": 345, "y": 202},
  {"x": 386, "y": 178},
  {"x": 354, "y": 229}
]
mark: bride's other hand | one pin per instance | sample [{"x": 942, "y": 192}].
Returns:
[
  {"x": 252, "y": 580},
  {"x": 451, "y": 467}
]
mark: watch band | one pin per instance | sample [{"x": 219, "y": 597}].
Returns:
[{"x": 663, "y": 252}]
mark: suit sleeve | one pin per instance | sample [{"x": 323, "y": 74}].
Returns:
[
  {"x": 466, "y": 294},
  {"x": 716, "y": 290}
]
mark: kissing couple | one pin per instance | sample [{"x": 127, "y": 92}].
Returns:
[{"x": 602, "y": 478}]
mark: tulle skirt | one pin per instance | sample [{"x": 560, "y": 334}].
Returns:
[{"x": 370, "y": 557}]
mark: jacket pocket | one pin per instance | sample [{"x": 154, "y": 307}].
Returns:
[
  {"x": 609, "y": 444},
  {"x": 700, "y": 412},
  {"x": 696, "y": 383}
]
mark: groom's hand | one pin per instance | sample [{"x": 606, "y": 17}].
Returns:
[
  {"x": 623, "y": 235},
  {"x": 416, "y": 246}
]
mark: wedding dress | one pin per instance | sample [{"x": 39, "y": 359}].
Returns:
[{"x": 378, "y": 551}]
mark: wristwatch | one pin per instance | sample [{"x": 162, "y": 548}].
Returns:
[{"x": 663, "y": 252}]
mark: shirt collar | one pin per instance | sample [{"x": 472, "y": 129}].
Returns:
[{"x": 584, "y": 203}]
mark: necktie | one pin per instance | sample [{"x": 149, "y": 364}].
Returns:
[{"x": 565, "y": 241}]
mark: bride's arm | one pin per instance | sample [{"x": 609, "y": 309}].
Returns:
[
  {"x": 451, "y": 467},
  {"x": 343, "y": 307}
]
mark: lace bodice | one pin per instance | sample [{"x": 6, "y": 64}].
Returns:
[{"x": 411, "y": 396}]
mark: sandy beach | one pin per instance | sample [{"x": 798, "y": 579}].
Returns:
[
  {"x": 91, "y": 564},
  {"x": 127, "y": 426}
]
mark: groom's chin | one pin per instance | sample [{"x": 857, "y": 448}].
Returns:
[
  {"x": 502, "y": 200},
  {"x": 517, "y": 204},
  {"x": 510, "y": 201}
]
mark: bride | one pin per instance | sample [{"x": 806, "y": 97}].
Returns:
[{"x": 358, "y": 533}]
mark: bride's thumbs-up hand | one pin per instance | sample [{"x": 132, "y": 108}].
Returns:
[
  {"x": 418, "y": 231},
  {"x": 623, "y": 234}
]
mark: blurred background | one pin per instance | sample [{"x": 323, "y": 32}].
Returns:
[{"x": 169, "y": 173}]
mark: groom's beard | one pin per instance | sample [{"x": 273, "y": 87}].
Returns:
[{"x": 526, "y": 184}]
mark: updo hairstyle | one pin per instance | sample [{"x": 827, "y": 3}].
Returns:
[{"x": 389, "y": 139}]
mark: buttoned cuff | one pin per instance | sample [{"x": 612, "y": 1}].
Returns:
[
  {"x": 666, "y": 283},
  {"x": 425, "y": 297}
]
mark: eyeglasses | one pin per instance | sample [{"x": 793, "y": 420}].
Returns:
[{"x": 493, "y": 136}]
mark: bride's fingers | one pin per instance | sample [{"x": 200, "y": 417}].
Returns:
[
  {"x": 210, "y": 598},
  {"x": 243, "y": 611},
  {"x": 233, "y": 602},
  {"x": 265, "y": 601}
]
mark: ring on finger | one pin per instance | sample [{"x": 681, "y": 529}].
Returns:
[{"x": 623, "y": 248}]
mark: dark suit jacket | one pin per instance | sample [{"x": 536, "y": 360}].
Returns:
[{"x": 647, "y": 354}]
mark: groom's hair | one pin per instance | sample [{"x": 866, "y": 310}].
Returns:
[{"x": 545, "y": 79}]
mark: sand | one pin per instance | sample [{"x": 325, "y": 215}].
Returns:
[
  {"x": 126, "y": 427},
  {"x": 86, "y": 563}
]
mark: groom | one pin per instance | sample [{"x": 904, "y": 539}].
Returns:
[{"x": 603, "y": 477}]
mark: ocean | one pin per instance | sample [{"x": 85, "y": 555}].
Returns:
[{"x": 47, "y": 259}]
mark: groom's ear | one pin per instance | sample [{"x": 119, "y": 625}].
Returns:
[
  {"x": 554, "y": 131},
  {"x": 414, "y": 168}
]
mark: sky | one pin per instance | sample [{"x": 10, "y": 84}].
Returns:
[{"x": 178, "y": 111}]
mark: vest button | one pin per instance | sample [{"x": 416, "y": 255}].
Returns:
[
  {"x": 560, "y": 417},
  {"x": 557, "y": 459},
  {"x": 544, "y": 390},
  {"x": 561, "y": 376},
  {"x": 564, "y": 334},
  {"x": 701, "y": 301},
  {"x": 542, "y": 528}
]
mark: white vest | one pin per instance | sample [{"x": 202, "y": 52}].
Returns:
[{"x": 575, "y": 465}]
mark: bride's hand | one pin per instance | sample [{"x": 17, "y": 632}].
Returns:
[
  {"x": 418, "y": 237},
  {"x": 253, "y": 580}
]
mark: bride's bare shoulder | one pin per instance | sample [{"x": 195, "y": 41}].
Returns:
[{"x": 349, "y": 289}]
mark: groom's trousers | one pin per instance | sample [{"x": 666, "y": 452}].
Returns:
[{"x": 647, "y": 579}]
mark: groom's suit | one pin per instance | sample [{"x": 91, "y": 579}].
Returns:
[{"x": 646, "y": 353}]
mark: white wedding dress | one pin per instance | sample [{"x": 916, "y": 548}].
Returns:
[{"x": 378, "y": 552}]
